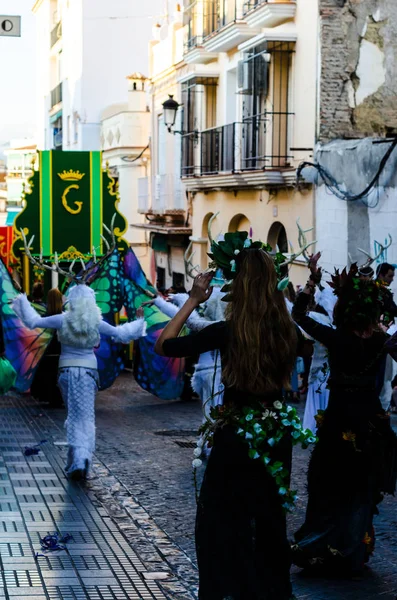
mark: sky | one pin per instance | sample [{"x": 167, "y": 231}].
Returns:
[{"x": 17, "y": 75}]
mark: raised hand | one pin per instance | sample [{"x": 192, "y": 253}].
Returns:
[
  {"x": 201, "y": 289},
  {"x": 313, "y": 262}
]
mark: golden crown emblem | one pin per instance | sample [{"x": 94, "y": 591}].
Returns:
[{"x": 71, "y": 175}]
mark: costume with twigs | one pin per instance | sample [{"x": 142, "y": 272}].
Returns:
[
  {"x": 79, "y": 330},
  {"x": 241, "y": 541},
  {"x": 355, "y": 459}
]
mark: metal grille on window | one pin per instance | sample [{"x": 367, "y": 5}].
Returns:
[
  {"x": 199, "y": 111},
  {"x": 263, "y": 80}
]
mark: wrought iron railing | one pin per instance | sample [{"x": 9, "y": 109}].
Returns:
[
  {"x": 219, "y": 14},
  {"x": 217, "y": 149},
  {"x": 56, "y": 34},
  {"x": 56, "y": 95},
  {"x": 190, "y": 160},
  {"x": 251, "y": 4},
  {"x": 264, "y": 141},
  {"x": 259, "y": 142}
]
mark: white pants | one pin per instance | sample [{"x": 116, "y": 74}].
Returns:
[{"x": 79, "y": 386}]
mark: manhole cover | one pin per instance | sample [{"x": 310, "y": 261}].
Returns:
[
  {"x": 177, "y": 434},
  {"x": 185, "y": 444}
]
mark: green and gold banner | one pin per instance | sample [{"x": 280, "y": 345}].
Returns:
[{"x": 68, "y": 200}]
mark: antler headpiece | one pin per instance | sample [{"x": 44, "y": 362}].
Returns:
[
  {"x": 371, "y": 259},
  {"x": 87, "y": 271},
  {"x": 224, "y": 253}
]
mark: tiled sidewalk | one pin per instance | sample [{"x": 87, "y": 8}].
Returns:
[{"x": 35, "y": 499}]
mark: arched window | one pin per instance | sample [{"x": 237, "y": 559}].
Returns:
[
  {"x": 239, "y": 223},
  {"x": 204, "y": 228},
  {"x": 205, "y": 248},
  {"x": 277, "y": 239}
]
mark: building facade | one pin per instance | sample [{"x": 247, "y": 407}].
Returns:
[
  {"x": 244, "y": 74},
  {"x": 357, "y": 125},
  {"x": 21, "y": 158},
  {"x": 85, "y": 49},
  {"x": 125, "y": 135}
]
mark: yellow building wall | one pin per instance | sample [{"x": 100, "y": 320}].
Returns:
[{"x": 243, "y": 209}]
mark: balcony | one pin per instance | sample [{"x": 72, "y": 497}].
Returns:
[
  {"x": 254, "y": 152},
  {"x": 56, "y": 95},
  {"x": 268, "y": 13},
  {"x": 162, "y": 195},
  {"x": 162, "y": 200},
  {"x": 224, "y": 27},
  {"x": 56, "y": 34},
  {"x": 194, "y": 52}
]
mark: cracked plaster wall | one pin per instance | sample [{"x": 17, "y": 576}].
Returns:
[{"x": 358, "y": 86}]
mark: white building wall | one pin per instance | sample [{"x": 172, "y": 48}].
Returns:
[
  {"x": 331, "y": 229},
  {"x": 102, "y": 42}
]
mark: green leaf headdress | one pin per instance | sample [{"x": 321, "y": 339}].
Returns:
[{"x": 224, "y": 252}]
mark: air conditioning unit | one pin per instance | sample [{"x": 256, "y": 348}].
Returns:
[
  {"x": 244, "y": 76},
  {"x": 252, "y": 74}
]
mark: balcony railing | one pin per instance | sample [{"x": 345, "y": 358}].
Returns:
[
  {"x": 258, "y": 143},
  {"x": 251, "y": 4},
  {"x": 56, "y": 34},
  {"x": 160, "y": 194},
  {"x": 56, "y": 95},
  {"x": 218, "y": 14},
  {"x": 217, "y": 149}
]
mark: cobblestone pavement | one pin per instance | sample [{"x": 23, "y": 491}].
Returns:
[{"x": 142, "y": 485}]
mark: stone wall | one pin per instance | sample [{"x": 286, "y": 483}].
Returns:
[
  {"x": 343, "y": 227},
  {"x": 358, "y": 87}
]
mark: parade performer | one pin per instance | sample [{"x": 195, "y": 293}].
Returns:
[
  {"x": 318, "y": 392},
  {"x": 241, "y": 541},
  {"x": 44, "y": 387},
  {"x": 384, "y": 278},
  {"x": 79, "y": 330},
  {"x": 355, "y": 459},
  {"x": 206, "y": 380}
]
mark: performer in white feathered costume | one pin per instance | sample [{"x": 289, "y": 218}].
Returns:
[
  {"x": 206, "y": 380},
  {"x": 79, "y": 330},
  {"x": 318, "y": 393}
]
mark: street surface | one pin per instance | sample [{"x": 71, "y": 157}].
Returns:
[{"x": 142, "y": 491}]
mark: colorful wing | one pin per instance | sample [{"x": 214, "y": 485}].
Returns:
[
  {"x": 134, "y": 272},
  {"x": 108, "y": 285},
  {"x": 23, "y": 347},
  {"x": 162, "y": 376}
]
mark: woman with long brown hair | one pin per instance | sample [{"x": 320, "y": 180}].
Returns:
[
  {"x": 241, "y": 541},
  {"x": 44, "y": 387}
]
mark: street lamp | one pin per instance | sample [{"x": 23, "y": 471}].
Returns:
[{"x": 170, "y": 108}]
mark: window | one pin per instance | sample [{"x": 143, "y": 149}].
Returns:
[
  {"x": 75, "y": 128},
  {"x": 68, "y": 130},
  {"x": 160, "y": 278},
  {"x": 199, "y": 113},
  {"x": 199, "y": 103},
  {"x": 178, "y": 281},
  {"x": 277, "y": 239},
  {"x": 263, "y": 81},
  {"x": 161, "y": 146}
]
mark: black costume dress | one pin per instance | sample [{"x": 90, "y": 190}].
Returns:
[
  {"x": 241, "y": 541},
  {"x": 45, "y": 383},
  {"x": 354, "y": 461}
]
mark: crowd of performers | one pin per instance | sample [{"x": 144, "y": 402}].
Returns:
[{"x": 246, "y": 333}]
